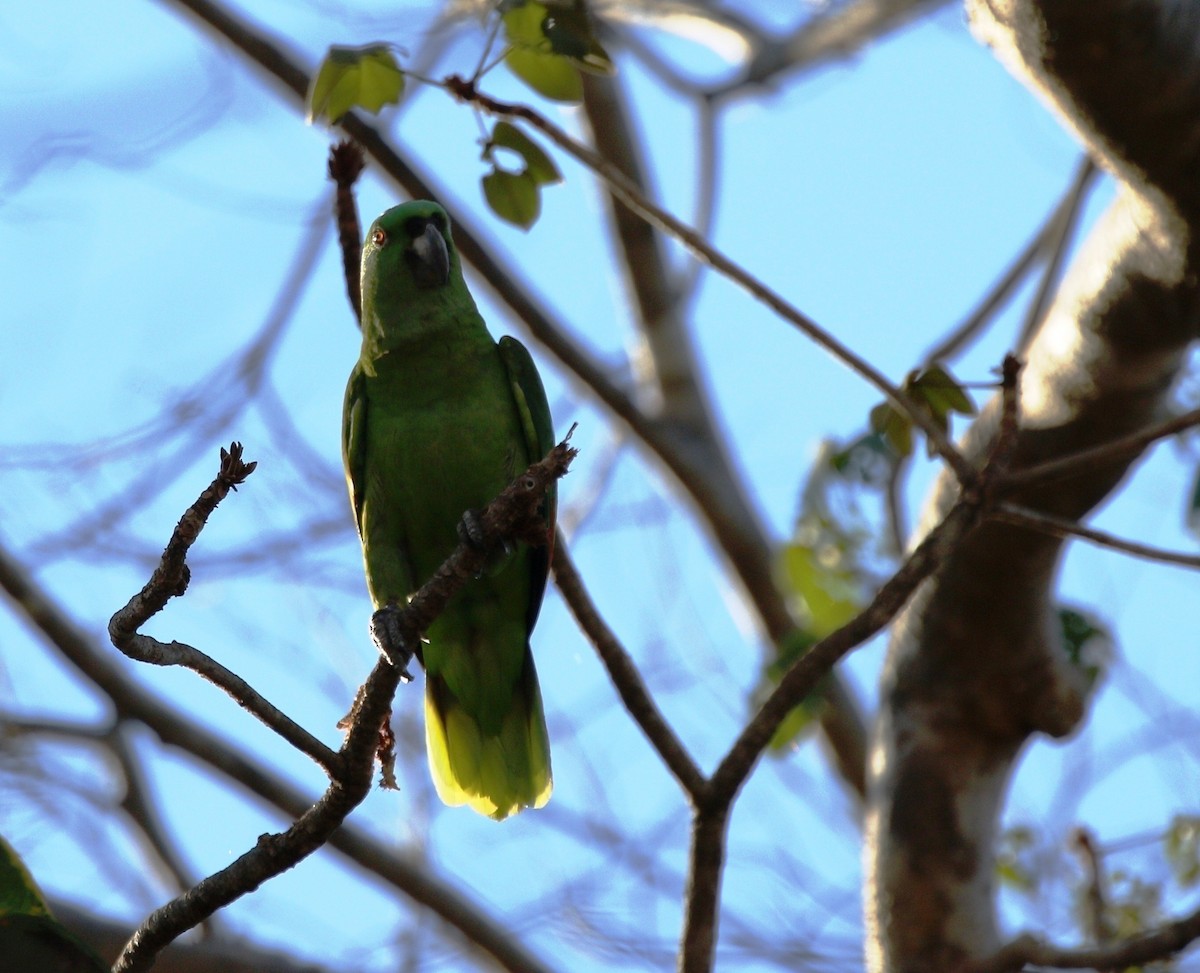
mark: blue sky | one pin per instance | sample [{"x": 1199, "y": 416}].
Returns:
[{"x": 154, "y": 194}]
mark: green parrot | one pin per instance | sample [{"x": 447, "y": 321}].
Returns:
[
  {"x": 438, "y": 419},
  {"x": 31, "y": 939}
]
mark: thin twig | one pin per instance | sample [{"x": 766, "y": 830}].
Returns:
[
  {"x": 346, "y": 164},
  {"x": 628, "y": 681},
  {"x": 170, "y": 579},
  {"x": 1157, "y": 944},
  {"x": 1095, "y": 457},
  {"x": 1058, "y": 242},
  {"x": 832, "y": 32},
  {"x": 1011, "y": 513},
  {"x": 1034, "y": 250},
  {"x": 275, "y": 853},
  {"x": 139, "y": 804},
  {"x": 1095, "y": 901},
  {"x": 702, "y": 249}
]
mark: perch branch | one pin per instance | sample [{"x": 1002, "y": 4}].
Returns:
[{"x": 505, "y": 517}]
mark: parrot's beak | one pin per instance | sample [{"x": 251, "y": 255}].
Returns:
[{"x": 431, "y": 268}]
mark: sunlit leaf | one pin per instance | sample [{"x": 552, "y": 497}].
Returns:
[
  {"x": 799, "y": 719},
  {"x": 569, "y": 31},
  {"x": 513, "y": 196},
  {"x": 830, "y": 597},
  {"x": 936, "y": 388},
  {"x": 1181, "y": 845},
  {"x": 532, "y": 58},
  {"x": 1016, "y": 854},
  {"x": 549, "y": 75},
  {"x": 538, "y": 164},
  {"x": 894, "y": 427},
  {"x": 365, "y": 77}
]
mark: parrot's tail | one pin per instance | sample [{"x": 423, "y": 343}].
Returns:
[{"x": 496, "y": 773}]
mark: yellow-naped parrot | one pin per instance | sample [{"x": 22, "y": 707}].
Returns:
[{"x": 438, "y": 419}]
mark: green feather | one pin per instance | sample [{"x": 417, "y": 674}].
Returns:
[
  {"x": 438, "y": 419},
  {"x": 31, "y": 939}
]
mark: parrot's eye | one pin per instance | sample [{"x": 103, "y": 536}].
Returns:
[{"x": 379, "y": 238}]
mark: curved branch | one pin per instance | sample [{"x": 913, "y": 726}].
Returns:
[
  {"x": 637, "y": 699},
  {"x": 1158, "y": 944}
]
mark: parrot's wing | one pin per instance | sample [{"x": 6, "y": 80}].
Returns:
[
  {"x": 19, "y": 893},
  {"x": 538, "y": 428},
  {"x": 31, "y": 939},
  {"x": 354, "y": 440}
]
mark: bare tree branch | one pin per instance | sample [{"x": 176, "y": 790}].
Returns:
[
  {"x": 628, "y": 682},
  {"x": 1097, "y": 457},
  {"x": 345, "y": 166},
  {"x": 1155, "y": 945},
  {"x": 1062, "y": 527},
  {"x": 215, "y": 954},
  {"x": 480, "y": 932},
  {"x": 505, "y": 518},
  {"x": 1064, "y": 214},
  {"x": 170, "y": 579}
]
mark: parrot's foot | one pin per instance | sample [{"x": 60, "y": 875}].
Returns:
[
  {"x": 389, "y": 636},
  {"x": 471, "y": 532}
]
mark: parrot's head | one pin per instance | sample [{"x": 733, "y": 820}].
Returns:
[{"x": 409, "y": 264}]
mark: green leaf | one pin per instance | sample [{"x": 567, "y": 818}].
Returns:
[
  {"x": 538, "y": 165},
  {"x": 1181, "y": 845},
  {"x": 532, "y": 57},
  {"x": 569, "y": 31},
  {"x": 934, "y": 391},
  {"x": 799, "y": 719},
  {"x": 937, "y": 388},
  {"x": 365, "y": 77},
  {"x": 894, "y": 427},
  {"x": 1086, "y": 641},
  {"x": 1016, "y": 859},
  {"x": 829, "y": 597},
  {"x": 513, "y": 196},
  {"x": 548, "y": 74}
]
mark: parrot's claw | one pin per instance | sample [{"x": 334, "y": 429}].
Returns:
[
  {"x": 471, "y": 533},
  {"x": 391, "y": 640},
  {"x": 470, "y": 530}
]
